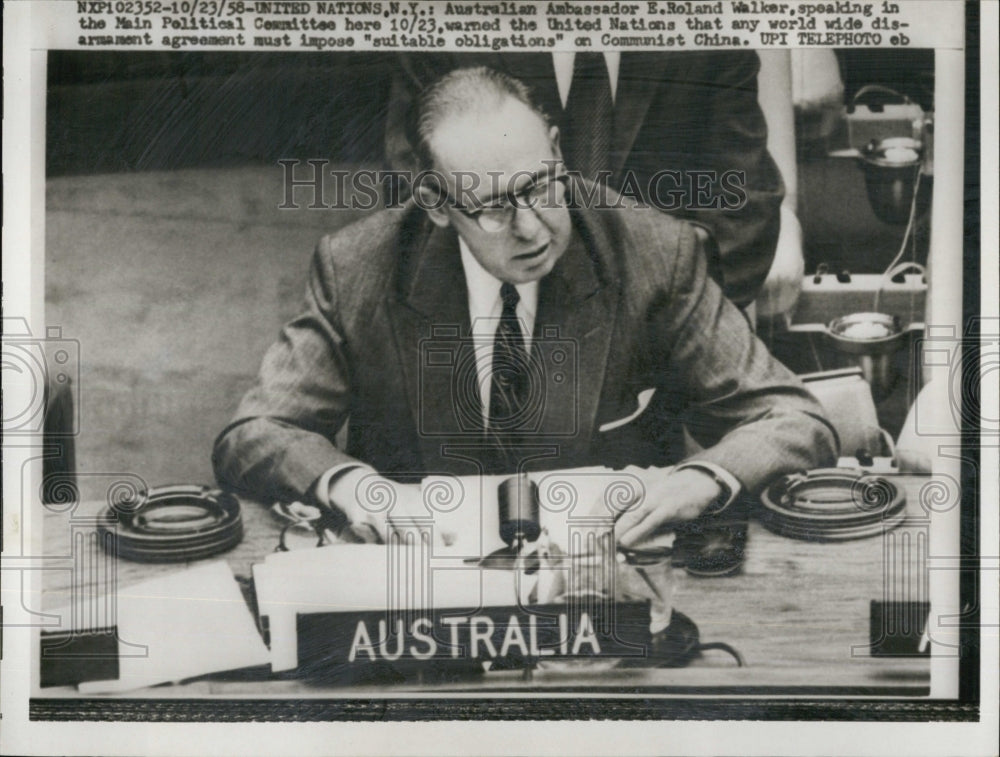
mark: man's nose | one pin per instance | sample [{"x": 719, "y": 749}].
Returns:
[{"x": 526, "y": 223}]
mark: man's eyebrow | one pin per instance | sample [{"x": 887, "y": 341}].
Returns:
[{"x": 532, "y": 179}]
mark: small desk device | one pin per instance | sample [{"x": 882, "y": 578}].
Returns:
[{"x": 178, "y": 523}]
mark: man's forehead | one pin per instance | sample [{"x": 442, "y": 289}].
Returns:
[{"x": 504, "y": 137}]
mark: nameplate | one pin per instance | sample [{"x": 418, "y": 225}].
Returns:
[{"x": 335, "y": 644}]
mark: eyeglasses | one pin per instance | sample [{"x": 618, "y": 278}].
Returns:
[{"x": 496, "y": 214}]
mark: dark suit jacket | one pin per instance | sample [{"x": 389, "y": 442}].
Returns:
[
  {"x": 680, "y": 111},
  {"x": 382, "y": 345}
]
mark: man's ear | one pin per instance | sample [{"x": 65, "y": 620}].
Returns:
[
  {"x": 430, "y": 201},
  {"x": 554, "y": 142}
]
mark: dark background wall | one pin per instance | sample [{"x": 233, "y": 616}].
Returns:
[
  {"x": 122, "y": 111},
  {"x": 908, "y": 71}
]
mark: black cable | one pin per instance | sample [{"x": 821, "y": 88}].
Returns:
[{"x": 740, "y": 662}]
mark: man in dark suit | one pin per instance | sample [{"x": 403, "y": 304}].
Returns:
[
  {"x": 635, "y": 114},
  {"x": 501, "y": 326}
]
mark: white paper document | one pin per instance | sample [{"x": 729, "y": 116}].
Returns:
[{"x": 192, "y": 622}]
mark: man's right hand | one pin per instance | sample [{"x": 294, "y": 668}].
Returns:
[{"x": 375, "y": 504}]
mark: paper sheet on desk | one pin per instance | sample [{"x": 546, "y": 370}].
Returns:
[{"x": 192, "y": 622}]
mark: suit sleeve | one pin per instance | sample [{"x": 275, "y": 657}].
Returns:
[
  {"x": 752, "y": 415},
  {"x": 730, "y": 138},
  {"x": 281, "y": 439}
]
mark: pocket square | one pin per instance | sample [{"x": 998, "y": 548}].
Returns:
[{"x": 642, "y": 401}]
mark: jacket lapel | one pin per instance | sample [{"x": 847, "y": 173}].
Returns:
[
  {"x": 430, "y": 323},
  {"x": 575, "y": 319}
]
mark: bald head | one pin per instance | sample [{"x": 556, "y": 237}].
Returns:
[{"x": 475, "y": 94}]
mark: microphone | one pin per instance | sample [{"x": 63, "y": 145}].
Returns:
[{"x": 519, "y": 511}]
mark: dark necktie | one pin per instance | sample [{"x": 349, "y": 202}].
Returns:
[
  {"x": 510, "y": 382},
  {"x": 588, "y": 116}
]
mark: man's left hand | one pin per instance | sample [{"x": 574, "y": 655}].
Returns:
[{"x": 670, "y": 497}]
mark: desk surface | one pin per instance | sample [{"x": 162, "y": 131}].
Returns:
[{"x": 798, "y": 612}]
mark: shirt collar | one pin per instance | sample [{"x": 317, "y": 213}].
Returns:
[{"x": 484, "y": 287}]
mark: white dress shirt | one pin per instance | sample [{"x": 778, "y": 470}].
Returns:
[{"x": 563, "y": 64}]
